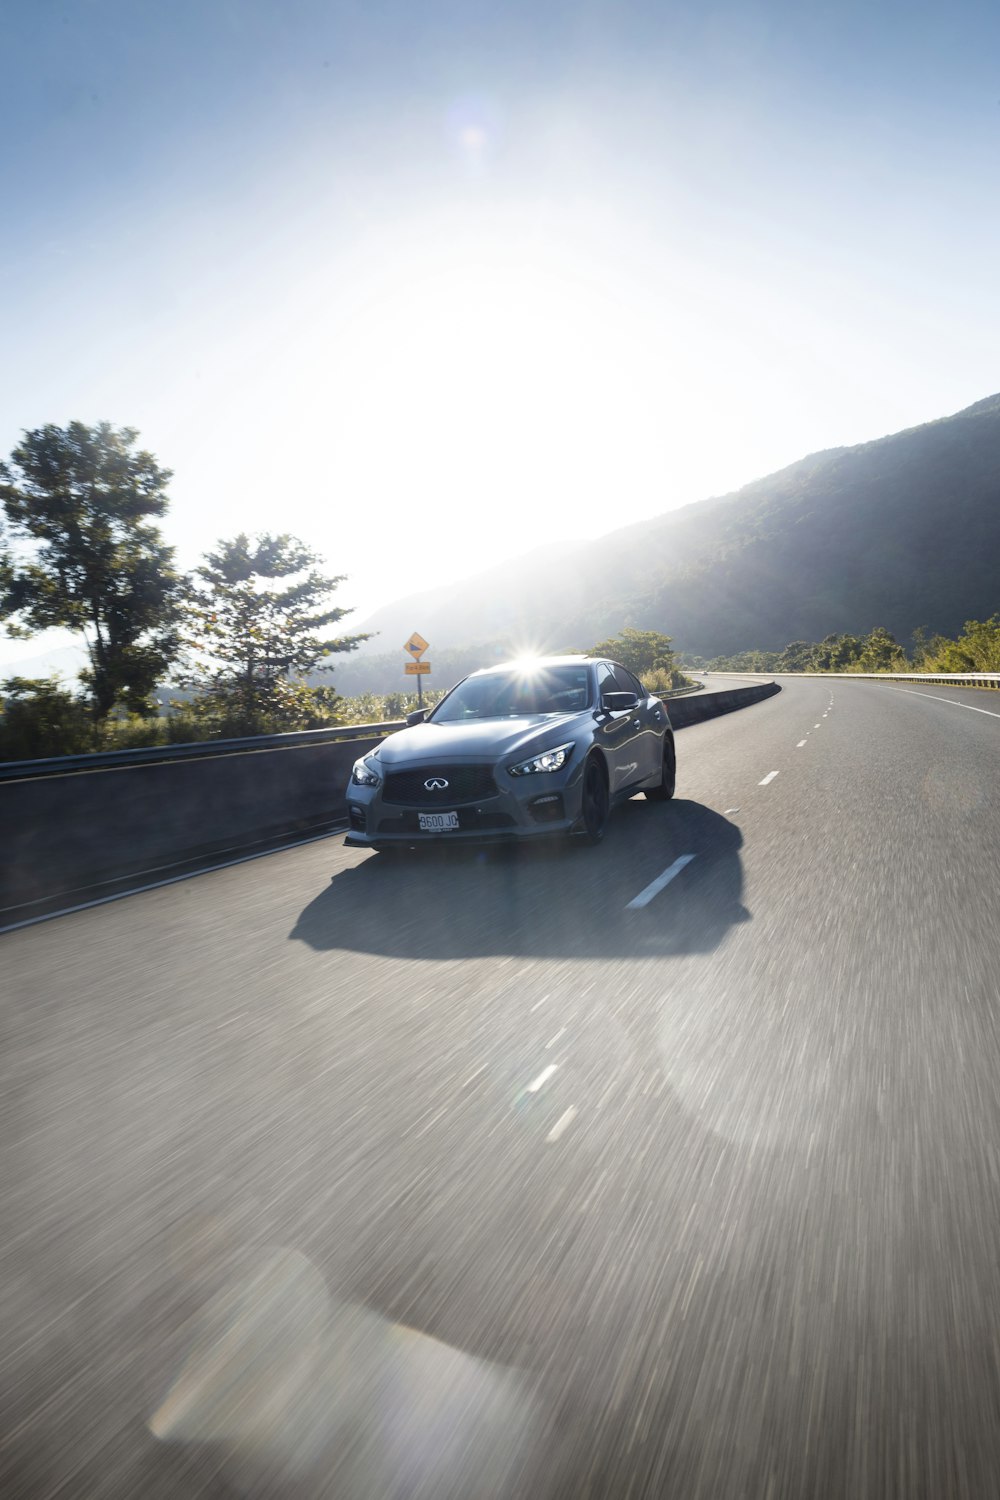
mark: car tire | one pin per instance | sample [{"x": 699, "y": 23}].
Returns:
[
  {"x": 595, "y": 800},
  {"x": 668, "y": 780}
]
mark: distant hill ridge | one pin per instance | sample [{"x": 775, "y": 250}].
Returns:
[{"x": 900, "y": 531}]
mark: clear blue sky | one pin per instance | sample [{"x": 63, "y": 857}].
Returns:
[{"x": 429, "y": 283}]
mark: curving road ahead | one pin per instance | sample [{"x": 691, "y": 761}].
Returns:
[{"x": 532, "y": 1172}]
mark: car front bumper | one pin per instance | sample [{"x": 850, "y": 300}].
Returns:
[{"x": 523, "y": 808}]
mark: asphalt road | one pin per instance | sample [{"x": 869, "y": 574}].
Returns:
[{"x": 339, "y": 1174}]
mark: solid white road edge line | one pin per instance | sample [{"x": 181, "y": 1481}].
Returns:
[
  {"x": 656, "y": 886},
  {"x": 769, "y": 777},
  {"x": 991, "y": 713}
]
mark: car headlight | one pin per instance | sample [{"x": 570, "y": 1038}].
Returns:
[
  {"x": 363, "y": 774},
  {"x": 549, "y": 760}
]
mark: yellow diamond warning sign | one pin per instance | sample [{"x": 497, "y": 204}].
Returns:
[{"x": 416, "y": 646}]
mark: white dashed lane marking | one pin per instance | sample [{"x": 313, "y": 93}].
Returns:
[
  {"x": 769, "y": 777},
  {"x": 654, "y": 887},
  {"x": 563, "y": 1123},
  {"x": 800, "y": 744},
  {"x": 542, "y": 1079}
]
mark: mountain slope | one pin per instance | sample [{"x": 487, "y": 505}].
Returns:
[{"x": 902, "y": 531}]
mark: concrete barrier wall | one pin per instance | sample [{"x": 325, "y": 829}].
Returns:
[
  {"x": 61, "y": 833},
  {"x": 72, "y": 827},
  {"x": 709, "y": 705}
]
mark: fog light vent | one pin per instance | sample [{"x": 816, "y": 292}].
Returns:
[{"x": 547, "y": 809}]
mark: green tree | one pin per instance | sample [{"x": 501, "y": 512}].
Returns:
[
  {"x": 746, "y": 661},
  {"x": 261, "y": 612},
  {"x": 80, "y": 503},
  {"x": 881, "y": 652},
  {"x": 836, "y": 653},
  {"x": 798, "y": 656},
  {"x": 642, "y": 651},
  {"x": 6, "y": 574},
  {"x": 977, "y": 649},
  {"x": 921, "y": 648}
]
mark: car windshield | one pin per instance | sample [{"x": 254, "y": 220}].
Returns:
[{"x": 511, "y": 695}]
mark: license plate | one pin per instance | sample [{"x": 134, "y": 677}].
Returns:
[{"x": 438, "y": 822}]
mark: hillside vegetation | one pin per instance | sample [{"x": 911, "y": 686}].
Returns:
[
  {"x": 977, "y": 649},
  {"x": 902, "y": 529}
]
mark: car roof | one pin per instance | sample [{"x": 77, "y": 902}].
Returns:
[{"x": 539, "y": 661}]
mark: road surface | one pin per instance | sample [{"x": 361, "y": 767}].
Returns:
[{"x": 532, "y": 1172}]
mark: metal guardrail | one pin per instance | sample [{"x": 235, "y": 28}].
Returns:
[
  {"x": 956, "y": 679},
  {"x": 112, "y": 760}
]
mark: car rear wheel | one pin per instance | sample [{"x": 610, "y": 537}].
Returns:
[
  {"x": 596, "y": 802},
  {"x": 668, "y": 779}
]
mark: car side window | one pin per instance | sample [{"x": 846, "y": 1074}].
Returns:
[
  {"x": 605, "y": 680},
  {"x": 626, "y": 683}
]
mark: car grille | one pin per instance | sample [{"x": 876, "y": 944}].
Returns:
[{"x": 465, "y": 784}]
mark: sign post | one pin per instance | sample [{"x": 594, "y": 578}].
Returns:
[{"x": 416, "y": 646}]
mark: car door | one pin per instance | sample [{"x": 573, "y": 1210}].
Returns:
[
  {"x": 619, "y": 734},
  {"x": 654, "y": 721},
  {"x": 645, "y": 744}
]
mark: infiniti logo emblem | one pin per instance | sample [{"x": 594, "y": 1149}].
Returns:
[{"x": 436, "y": 784}]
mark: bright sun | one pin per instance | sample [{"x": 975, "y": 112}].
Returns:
[
  {"x": 480, "y": 397},
  {"x": 485, "y": 381}
]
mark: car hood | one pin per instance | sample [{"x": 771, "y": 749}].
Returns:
[{"x": 475, "y": 739}]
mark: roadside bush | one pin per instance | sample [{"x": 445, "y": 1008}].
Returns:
[
  {"x": 40, "y": 717},
  {"x": 131, "y": 732},
  {"x": 377, "y": 708},
  {"x": 659, "y": 681}
]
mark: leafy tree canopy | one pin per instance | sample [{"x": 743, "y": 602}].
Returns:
[
  {"x": 261, "y": 614},
  {"x": 81, "y": 503},
  {"x": 878, "y": 651},
  {"x": 642, "y": 651},
  {"x": 881, "y": 652},
  {"x": 977, "y": 649}
]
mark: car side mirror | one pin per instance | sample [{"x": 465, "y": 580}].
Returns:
[
  {"x": 618, "y": 703},
  {"x": 417, "y": 717}
]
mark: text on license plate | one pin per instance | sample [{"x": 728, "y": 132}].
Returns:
[{"x": 438, "y": 822}]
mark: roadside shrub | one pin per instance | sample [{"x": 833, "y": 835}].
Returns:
[
  {"x": 40, "y": 717},
  {"x": 131, "y": 732},
  {"x": 377, "y": 708},
  {"x": 660, "y": 681}
]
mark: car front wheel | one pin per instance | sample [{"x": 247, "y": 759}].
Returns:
[
  {"x": 665, "y": 790},
  {"x": 596, "y": 801}
]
